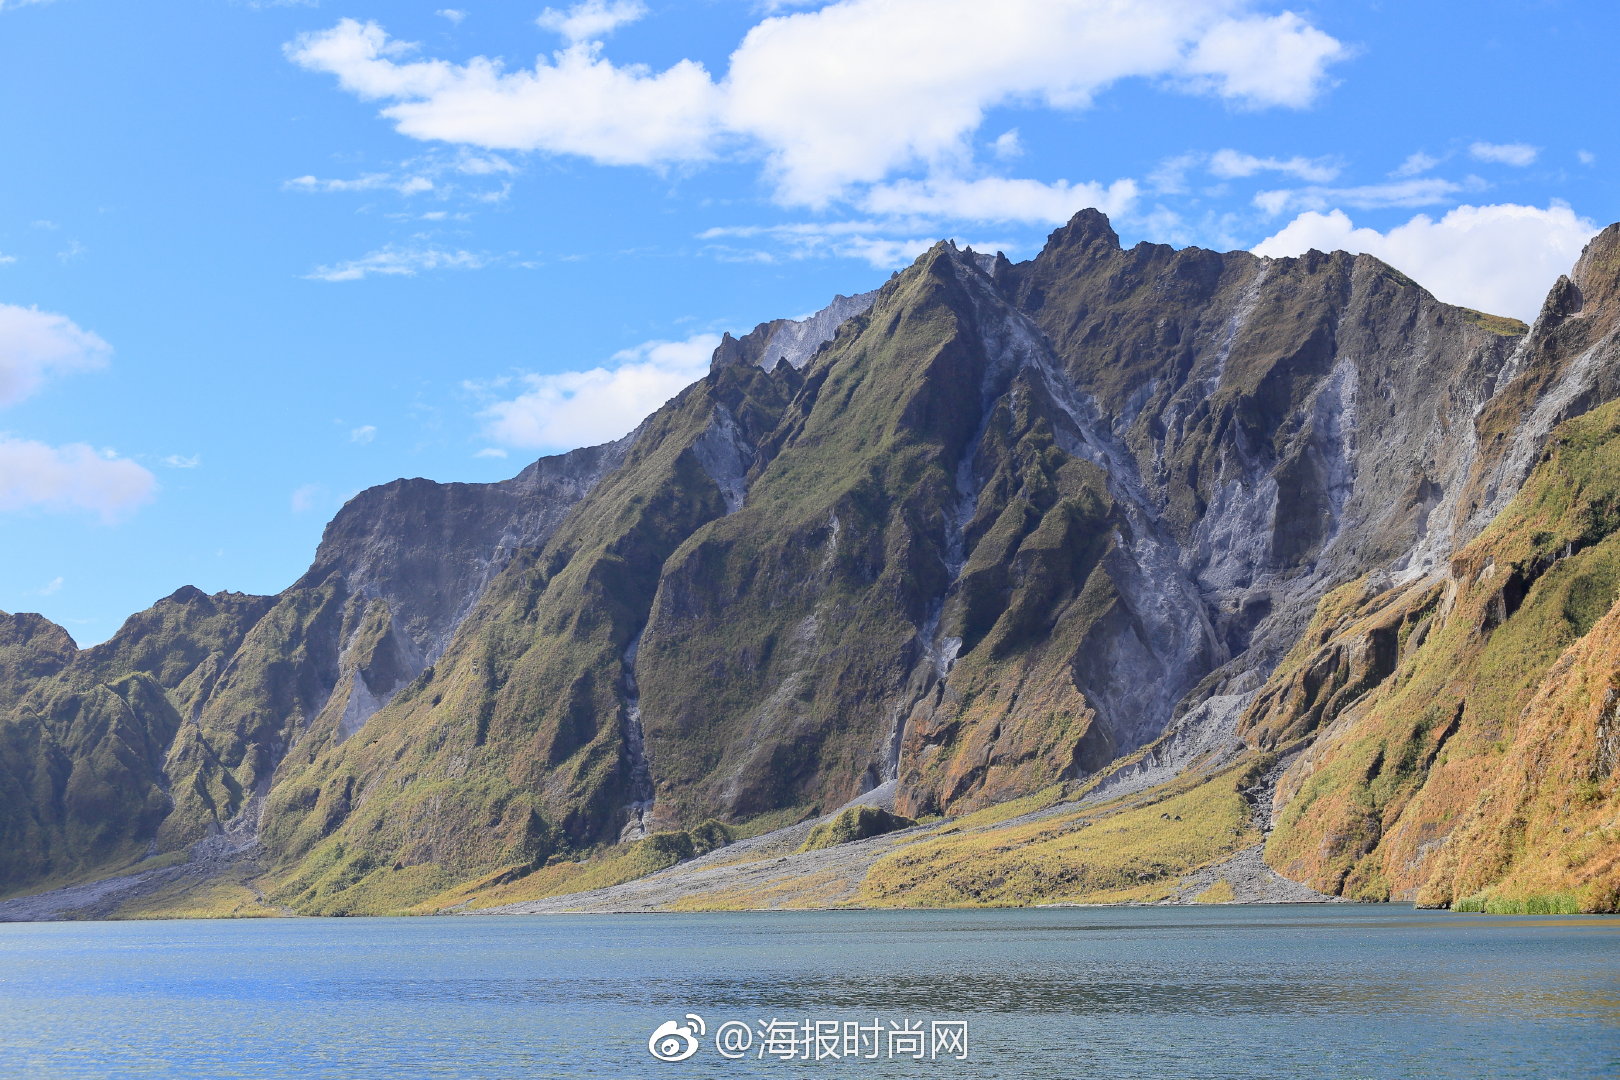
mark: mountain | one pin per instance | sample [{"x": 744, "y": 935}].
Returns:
[{"x": 1108, "y": 567}]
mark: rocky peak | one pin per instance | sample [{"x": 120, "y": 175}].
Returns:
[
  {"x": 1088, "y": 231},
  {"x": 31, "y": 648}
]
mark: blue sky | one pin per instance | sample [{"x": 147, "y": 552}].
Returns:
[{"x": 255, "y": 257}]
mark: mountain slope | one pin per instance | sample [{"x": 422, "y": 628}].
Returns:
[{"x": 1111, "y": 524}]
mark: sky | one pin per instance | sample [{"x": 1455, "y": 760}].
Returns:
[{"x": 258, "y": 256}]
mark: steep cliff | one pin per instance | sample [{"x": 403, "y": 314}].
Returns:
[{"x": 1123, "y": 523}]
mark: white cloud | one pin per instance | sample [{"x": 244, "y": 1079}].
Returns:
[
  {"x": 1170, "y": 178},
  {"x": 592, "y": 20},
  {"x": 443, "y": 174},
  {"x": 490, "y": 452},
  {"x": 363, "y": 434},
  {"x": 398, "y": 261},
  {"x": 4, "y": 259},
  {"x": 51, "y": 587},
  {"x": 581, "y": 408},
  {"x": 34, "y": 476},
  {"x": 885, "y": 253},
  {"x": 577, "y": 104},
  {"x": 1008, "y": 145},
  {"x": 1231, "y": 165},
  {"x": 1519, "y": 154},
  {"x": 405, "y": 185},
  {"x": 1258, "y": 61},
  {"x": 183, "y": 461},
  {"x": 1500, "y": 258},
  {"x": 1416, "y": 164},
  {"x": 1424, "y": 191},
  {"x": 1585, "y": 157},
  {"x": 844, "y": 95},
  {"x": 35, "y": 345},
  {"x": 885, "y": 245},
  {"x": 997, "y": 199},
  {"x": 12, "y": 5},
  {"x": 857, "y": 90},
  {"x": 455, "y": 15}
]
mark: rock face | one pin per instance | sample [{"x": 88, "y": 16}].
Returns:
[
  {"x": 1118, "y": 513},
  {"x": 170, "y": 733}
]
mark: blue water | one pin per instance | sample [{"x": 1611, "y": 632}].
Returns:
[{"x": 1227, "y": 992}]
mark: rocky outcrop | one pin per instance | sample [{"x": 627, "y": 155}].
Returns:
[{"x": 1113, "y": 519}]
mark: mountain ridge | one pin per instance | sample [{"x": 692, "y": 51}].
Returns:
[{"x": 991, "y": 528}]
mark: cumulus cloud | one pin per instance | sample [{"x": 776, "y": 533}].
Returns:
[
  {"x": 1281, "y": 60},
  {"x": 398, "y": 262},
  {"x": 581, "y": 408},
  {"x": 1518, "y": 154},
  {"x": 997, "y": 199},
  {"x": 592, "y": 20},
  {"x": 1501, "y": 258},
  {"x": 455, "y": 15},
  {"x": 857, "y": 90},
  {"x": 847, "y": 94},
  {"x": 577, "y": 103},
  {"x": 35, "y": 345},
  {"x": 35, "y": 476},
  {"x": 1232, "y": 165}
]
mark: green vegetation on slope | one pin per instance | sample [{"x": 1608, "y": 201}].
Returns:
[{"x": 1475, "y": 766}]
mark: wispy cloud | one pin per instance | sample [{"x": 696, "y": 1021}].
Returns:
[
  {"x": 1424, "y": 191},
  {"x": 462, "y": 173},
  {"x": 1416, "y": 164},
  {"x": 1232, "y": 164},
  {"x": 307, "y": 497},
  {"x": 392, "y": 261},
  {"x": 51, "y": 587},
  {"x": 1516, "y": 154},
  {"x": 882, "y": 244},
  {"x": 363, "y": 434},
  {"x": 183, "y": 461},
  {"x": 407, "y": 185},
  {"x": 995, "y": 199}
]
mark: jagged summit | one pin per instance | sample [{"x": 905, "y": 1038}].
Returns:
[{"x": 990, "y": 528}]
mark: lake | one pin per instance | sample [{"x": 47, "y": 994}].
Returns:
[{"x": 1338, "y": 991}]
